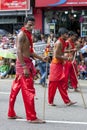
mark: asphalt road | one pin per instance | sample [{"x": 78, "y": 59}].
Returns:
[{"x": 60, "y": 117}]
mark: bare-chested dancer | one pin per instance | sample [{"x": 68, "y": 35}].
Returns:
[
  {"x": 25, "y": 72},
  {"x": 57, "y": 76},
  {"x": 71, "y": 67}
]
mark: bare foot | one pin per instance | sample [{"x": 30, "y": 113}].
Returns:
[
  {"x": 52, "y": 104},
  {"x": 14, "y": 117},
  {"x": 71, "y": 103},
  {"x": 37, "y": 121}
]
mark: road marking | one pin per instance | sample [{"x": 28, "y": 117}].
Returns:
[
  {"x": 5, "y": 93},
  {"x": 59, "y": 122}
]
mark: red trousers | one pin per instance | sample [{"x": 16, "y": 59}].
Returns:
[
  {"x": 28, "y": 92},
  {"x": 53, "y": 85},
  {"x": 70, "y": 74},
  {"x": 57, "y": 80}
]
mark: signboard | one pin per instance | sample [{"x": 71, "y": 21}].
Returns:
[
  {"x": 52, "y": 27},
  {"x": 39, "y": 47},
  {"x": 60, "y": 3},
  {"x": 9, "y": 5}
]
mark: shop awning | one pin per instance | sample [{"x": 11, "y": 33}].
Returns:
[{"x": 60, "y": 3}]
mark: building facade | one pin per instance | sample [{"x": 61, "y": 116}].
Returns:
[
  {"x": 52, "y": 14},
  {"x": 12, "y": 14}
]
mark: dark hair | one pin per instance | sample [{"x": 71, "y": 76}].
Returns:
[
  {"x": 71, "y": 33},
  {"x": 62, "y": 31},
  {"x": 29, "y": 18}
]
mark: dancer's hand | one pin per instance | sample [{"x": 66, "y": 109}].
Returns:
[{"x": 46, "y": 59}]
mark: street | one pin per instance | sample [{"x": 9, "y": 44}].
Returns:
[{"x": 60, "y": 117}]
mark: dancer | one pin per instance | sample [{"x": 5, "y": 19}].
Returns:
[
  {"x": 69, "y": 70},
  {"x": 25, "y": 72},
  {"x": 56, "y": 74}
]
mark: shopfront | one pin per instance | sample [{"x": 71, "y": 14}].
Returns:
[
  {"x": 12, "y": 14},
  {"x": 53, "y": 14}
]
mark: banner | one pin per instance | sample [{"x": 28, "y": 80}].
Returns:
[
  {"x": 60, "y": 3},
  {"x": 9, "y": 5},
  {"x": 39, "y": 47}
]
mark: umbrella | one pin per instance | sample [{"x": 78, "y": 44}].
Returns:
[
  {"x": 7, "y": 54},
  {"x": 3, "y": 32}
]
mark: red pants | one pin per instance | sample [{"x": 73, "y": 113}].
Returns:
[
  {"x": 57, "y": 80},
  {"x": 28, "y": 92},
  {"x": 53, "y": 85},
  {"x": 70, "y": 74}
]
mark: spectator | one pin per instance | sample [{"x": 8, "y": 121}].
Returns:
[
  {"x": 82, "y": 70},
  {"x": 4, "y": 68},
  {"x": 12, "y": 70}
]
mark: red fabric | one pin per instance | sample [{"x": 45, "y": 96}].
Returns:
[
  {"x": 69, "y": 71},
  {"x": 57, "y": 80},
  {"x": 28, "y": 92},
  {"x": 28, "y": 34},
  {"x": 14, "y": 92},
  {"x": 63, "y": 44},
  {"x": 61, "y": 86},
  {"x": 70, "y": 43},
  {"x": 56, "y": 69},
  {"x": 56, "y": 72},
  {"x": 70, "y": 74},
  {"x": 26, "y": 85},
  {"x": 30, "y": 67}
]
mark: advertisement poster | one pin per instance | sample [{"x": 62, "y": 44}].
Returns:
[
  {"x": 52, "y": 3},
  {"x": 9, "y": 5}
]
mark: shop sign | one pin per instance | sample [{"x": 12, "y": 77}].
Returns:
[
  {"x": 39, "y": 47},
  {"x": 9, "y": 5},
  {"x": 60, "y": 3}
]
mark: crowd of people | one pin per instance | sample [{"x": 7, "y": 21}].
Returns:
[
  {"x": 78, "y": 43},
  {"x": 63, "y": 56},
  {"x": 7, "y": 66},
  {"x": 9, "y": 42}
]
